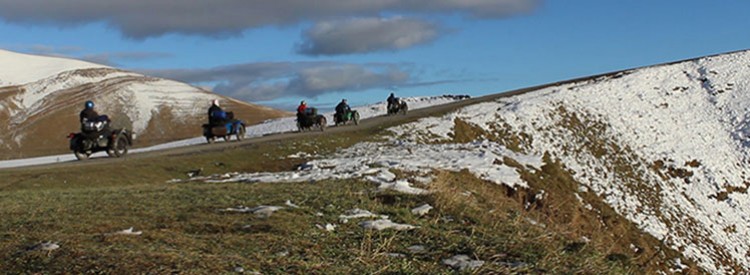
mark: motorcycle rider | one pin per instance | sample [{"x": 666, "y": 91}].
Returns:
[
  {"x": 392, "y": 101},
  {"x": 91, "y": 121},
  {"x": 216, "y": 116},
  {"x": 88, "y": 113},
  {"x": 342, "y": 109},
  {"x": 301, "y": 109}
]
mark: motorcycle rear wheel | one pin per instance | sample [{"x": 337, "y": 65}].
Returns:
[{"x": 119, "y": 147}]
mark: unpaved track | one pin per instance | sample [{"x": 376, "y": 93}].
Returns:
[{"x": 364, "y": 125}]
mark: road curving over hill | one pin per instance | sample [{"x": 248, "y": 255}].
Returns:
[{"x": 381, "y": 121}]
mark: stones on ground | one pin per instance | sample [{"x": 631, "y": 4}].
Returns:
[
  {"x": 417, "y": 249},
  {"x": 462, "y": 262}
]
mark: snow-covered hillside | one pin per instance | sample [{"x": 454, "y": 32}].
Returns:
[
  {"x": 665, "y": 146},
  {"x": 20, "y": 68},
  {"x": 41, "y": 97}
]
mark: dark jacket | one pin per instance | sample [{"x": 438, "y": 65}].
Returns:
[
  {"x": 214, "y": 117},
  {"x": 342, "y": 108},
  {"x": 88, "y": 114},
  {"x": 392, "y": 100}
]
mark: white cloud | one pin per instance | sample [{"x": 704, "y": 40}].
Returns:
[
  {"x": 267, "y": 81},
  {"x": 146, "y": 18},
  {"x": 361, "y": 35}
]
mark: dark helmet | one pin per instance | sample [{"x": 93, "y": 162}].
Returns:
[{"x": 89, "y": 104}]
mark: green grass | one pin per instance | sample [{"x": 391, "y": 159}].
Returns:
[{"x": 185, "y": 231}]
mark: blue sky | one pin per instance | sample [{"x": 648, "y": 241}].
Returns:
[{"x": 279, "y": 52}]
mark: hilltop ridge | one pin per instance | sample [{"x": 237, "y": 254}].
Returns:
[{"x": 40, "y": 98}]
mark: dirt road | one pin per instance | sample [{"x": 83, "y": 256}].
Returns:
[{"x": 381, "y": 121}]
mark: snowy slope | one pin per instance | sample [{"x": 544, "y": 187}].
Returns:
[
  {"x": 665, "y": 146},
  {"x": 41, "y": 97},
  {"x": 20, "y": 68}
]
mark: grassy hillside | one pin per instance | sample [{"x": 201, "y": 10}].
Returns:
[{"x": 185, "y": 230}]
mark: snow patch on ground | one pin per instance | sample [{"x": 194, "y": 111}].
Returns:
[
  {"x": 680, "y": 130},
  {"x": 358, "y": 214},
  {"x": 374, "y": 160},
  {"x": 384, "y": 224},
  {"x": 263, "y": 211}
]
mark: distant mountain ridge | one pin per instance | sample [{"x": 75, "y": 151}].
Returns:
[{"x": 40, "y": 98}]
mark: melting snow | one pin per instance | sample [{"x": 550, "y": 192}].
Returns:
[
  {"x": 128, "y": 231},
  {"x": 260, "y": 211},
  {"x": 384, "y": 224},
  {"x": 690, "y": 117},
  {"x": 421, "y": 210},
  {"x": 358, "y": 214},
  {"x": 682, "y": 130}
]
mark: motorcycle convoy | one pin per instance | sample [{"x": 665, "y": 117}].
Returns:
[{"x": 97, "y": 135}]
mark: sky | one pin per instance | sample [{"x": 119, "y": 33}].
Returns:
[{"x": 279, "y": 52}]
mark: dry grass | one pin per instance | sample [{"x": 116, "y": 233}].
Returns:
[{"x": 184, "y": 230}]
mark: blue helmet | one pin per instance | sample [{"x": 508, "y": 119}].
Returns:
[{"x": 89, "y": 104}]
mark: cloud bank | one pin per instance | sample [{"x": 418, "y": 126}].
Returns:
[
  {"x": 362, "y": 35},
  {"x": 140, "y": 19},
  {"x": 267, "y": 81}
]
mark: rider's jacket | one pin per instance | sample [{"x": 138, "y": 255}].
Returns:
[
  {"x": 88, "y": 114},
  {"x": 216, "y": 115}
]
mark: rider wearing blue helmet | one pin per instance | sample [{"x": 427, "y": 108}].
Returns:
[{"x": 88, "y": 113}]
